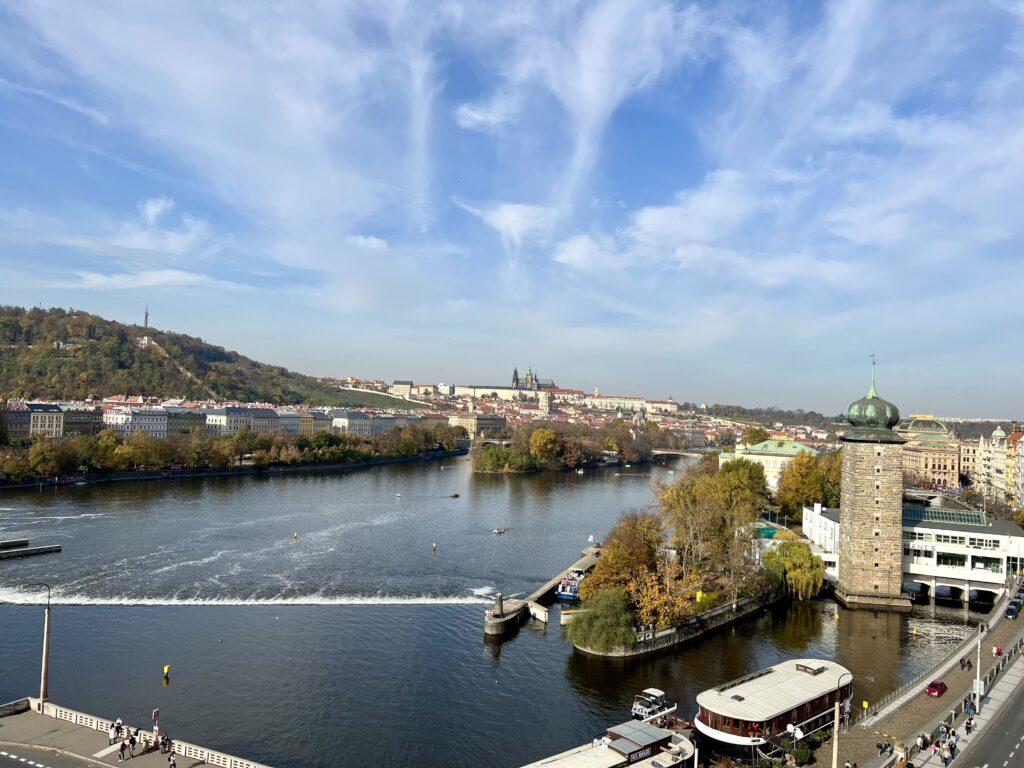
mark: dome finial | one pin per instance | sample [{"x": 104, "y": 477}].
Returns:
[{"x": 872, "y": 392}]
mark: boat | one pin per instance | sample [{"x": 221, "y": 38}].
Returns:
[
  {"x": 454, "y": 496},
  {"x": 649, "y": 703},
  {"x": 761, "y": 715},
  {"x": 579, "y": 471},
  {"x": 568, "y": 589},
  {"x": 630, "y": 744},
  {"x": 398, "y": 495},
  {"x": 499, "y": 531}
]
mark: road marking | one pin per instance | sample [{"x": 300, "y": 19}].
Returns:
[{"x": 109, "y": 750}]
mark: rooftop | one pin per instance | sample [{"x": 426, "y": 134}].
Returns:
[
  {"x": 773, "y": 691},
  {"x": 780, "y": 447}
]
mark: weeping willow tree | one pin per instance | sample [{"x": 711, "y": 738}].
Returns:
[
  {"x": 604, "y": 622},
  {"x": 803, "y": 571}
]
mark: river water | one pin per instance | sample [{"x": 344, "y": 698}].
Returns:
[{"x": 355, "y": 643}]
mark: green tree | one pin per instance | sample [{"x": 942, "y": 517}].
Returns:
[
  {"x": 807, "y": 479},
  {"x": 604, "y": 622},
  {"x": 755, "y": 435},
  {"x": 804, "y": 571}
]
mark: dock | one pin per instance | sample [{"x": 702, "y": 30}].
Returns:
[
  {"x": 22, "y": 548},
  {"x": 507, "y": 615}
]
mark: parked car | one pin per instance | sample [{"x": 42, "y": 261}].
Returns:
[
  {"x": 936, "y": 688},
  {"x": 1012, "y": 612}
]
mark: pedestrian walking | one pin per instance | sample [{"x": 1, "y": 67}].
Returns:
[
  {"x": 920, "y": 743},
  {"x": 111, "y": 734},
  {"x": 968, "y": 725},
  {"x": 131, "y": 745},
  {"x": 171, "y": 762},
  {"x": 847, "y": 764},
  {"x": 952, "y": 750},
  {"x": 945, "y": 757},
  {"x": 879, "y": 747},
  {"x": 963, "y": 664},
  {"x": 117, "y": 727},
  {"x": 120, "y": 752},
  {"x": 994, "y": 649},
  {"x": 970, "y": 665}
]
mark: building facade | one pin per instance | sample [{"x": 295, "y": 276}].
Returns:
[
  {"x": 355, "y": 423},
  {"x": 1013, "y": 496},
  {"x": 264, "y": 421},
  {"x": 82, "y": 419},
  {"x": 959, "y": 549},
  {"x": 184, "y": 421},
  {"x": 19, "y": 421},
  {"x": 871, "y": 507},
  {"x": 227, "y": 421},
  {"x": 991, "y": 465},
  {"x": 477, "y": 424},
  {"x": 400, "y": 388},
  {"x": 288, "y": 419},
  {"x": 126, "y": 421},
  {"x": 931, "y": 455},
  {"x": 46, "y": 419},
  {"x": 772, "y": 455}
]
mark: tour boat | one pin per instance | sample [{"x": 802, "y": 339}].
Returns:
[
  {"x": 650, "y": 702},
  {"x": 763, "y": 714},
  {"x": 568, "y": 589}
]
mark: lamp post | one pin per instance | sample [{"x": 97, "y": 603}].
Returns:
[
  {"x": 44, "y": 672},
  {"x": 977, "y": 675},
  {"x": 835, "y": 727}
]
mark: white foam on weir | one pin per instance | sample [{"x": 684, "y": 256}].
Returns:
[{"x": 19, "y": 597}]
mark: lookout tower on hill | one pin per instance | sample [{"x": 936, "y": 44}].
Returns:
[{"x": 871, "y": 507}]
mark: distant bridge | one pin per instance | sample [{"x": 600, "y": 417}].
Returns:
[{"x": 670, "y": 452}]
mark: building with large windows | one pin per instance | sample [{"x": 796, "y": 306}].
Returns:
[
  {"x": 959, "y": 549},
  {"x": 991, "y": 465},
  {"x": 1013, "y": 494}
]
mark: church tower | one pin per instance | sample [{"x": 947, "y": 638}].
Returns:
[
  {"x": 515, "y": 378},
  {"x": 871, "y": 507}
]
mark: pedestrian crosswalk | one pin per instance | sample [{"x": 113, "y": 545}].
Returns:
[{"x": 22, "y": 760}]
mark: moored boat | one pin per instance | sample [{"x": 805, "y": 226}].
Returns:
[
  {"x": 568, "y": 589},
  {"x": 650, "y": 702},
  {"x": 764, "y": 713}
]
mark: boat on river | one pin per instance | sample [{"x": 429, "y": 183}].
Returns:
[
  {"x": 764, "y": 714},
  {"x": 634, "y": 744},
  {"x": 568, "y": 589},
  {"x": 649, "y": 703}
]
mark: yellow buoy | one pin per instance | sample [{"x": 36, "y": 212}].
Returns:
[{"x": 296, "y": 536}]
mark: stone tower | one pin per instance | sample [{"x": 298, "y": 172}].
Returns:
[
  {"x": 515, "y": 378},
  {"x": 871, "y": 507}
]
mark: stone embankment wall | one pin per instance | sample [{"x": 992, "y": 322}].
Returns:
[
  {"x": 188, "y": 474},
  {"x": 651, "y": 640}
]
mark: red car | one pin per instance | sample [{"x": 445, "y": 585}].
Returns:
[{"x": 936, "y": 688}]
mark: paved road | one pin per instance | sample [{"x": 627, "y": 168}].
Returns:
[
  {"x": 38, "y": 758},
  {"x": 1001, "y": 743}
]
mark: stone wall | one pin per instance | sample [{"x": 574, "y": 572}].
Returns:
[{"x": 871, "y": 521}]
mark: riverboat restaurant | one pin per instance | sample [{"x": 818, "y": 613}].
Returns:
[{"x": 748, "y": 718}]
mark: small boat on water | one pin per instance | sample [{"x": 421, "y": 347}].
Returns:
[
  {"x": 568, "y": 589},
  {"x": 499, "y": 531},
  {"x": 650, "y": 702},
  {"x": 454, "y": 496}
]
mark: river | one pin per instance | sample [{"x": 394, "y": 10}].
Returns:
[{"x": 354, "y": 643}]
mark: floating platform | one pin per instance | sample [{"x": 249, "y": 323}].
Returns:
[{"x": 21, "y": 548}]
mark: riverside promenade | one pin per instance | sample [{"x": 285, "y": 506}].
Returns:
[
  {"x": 64, "y": 734},
  {"x": 913, "y": 712}
]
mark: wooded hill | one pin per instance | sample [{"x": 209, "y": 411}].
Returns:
[{"x": 69, "y": 355}]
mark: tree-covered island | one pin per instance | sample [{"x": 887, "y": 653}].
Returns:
[{"x": 695, "y": 551}]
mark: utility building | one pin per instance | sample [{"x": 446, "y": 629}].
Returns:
[{"x": 871, "y": 507}]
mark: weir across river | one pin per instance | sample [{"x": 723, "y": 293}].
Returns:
[{"x": 508, "y": 614}]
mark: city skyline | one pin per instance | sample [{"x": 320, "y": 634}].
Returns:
[{"x": 721, "y": 203}]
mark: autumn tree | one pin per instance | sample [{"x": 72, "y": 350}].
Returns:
[
  {"x": 544, "y": 446},
  {"x": 631, "y": 547},
  {"x": 604, "y": 622},
  {"x": 807, "y": 479}
]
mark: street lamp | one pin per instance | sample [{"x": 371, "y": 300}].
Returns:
[
  {"x": 835, "y": 727},
  {"x": 44, "y": 673}
]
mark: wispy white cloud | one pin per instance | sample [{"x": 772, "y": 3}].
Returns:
[
  {"x": 368, "y": 242},
  {"x": 153, "y": 208},
  {"x": 154, "y": 278},
  {"x": 54, "y": 98}
]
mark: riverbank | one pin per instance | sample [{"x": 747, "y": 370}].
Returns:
[
  {"x": 651, "y": 640},
  {"x": 243, "y": 471}
]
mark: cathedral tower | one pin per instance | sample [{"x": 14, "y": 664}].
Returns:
[{"x": 871, "y": 507}]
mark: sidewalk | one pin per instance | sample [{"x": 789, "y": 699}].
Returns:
[
  {"x": 992, "y": 704},
  {"x": 920, "y": 713},
  {"x": 75, "y": 740}
]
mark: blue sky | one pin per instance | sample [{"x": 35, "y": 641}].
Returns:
[{"x": 722, "y": 202}]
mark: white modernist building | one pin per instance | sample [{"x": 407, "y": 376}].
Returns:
[{"x": 960, "y": 549}]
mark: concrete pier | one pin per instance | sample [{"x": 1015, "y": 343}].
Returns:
[
  {"x": 21, "y": 548},
  {"x": 508, "y": 614}
]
